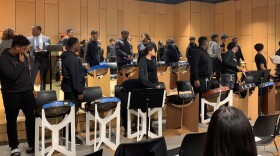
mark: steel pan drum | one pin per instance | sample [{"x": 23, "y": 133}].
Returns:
[
  {"x": 161, "y": 66},
  {"x": 180, "y": 68},
  {"x": 242, "y": 90},
  {"x": 100, "y": 70},
  {"x": 103, "y": 104},
  {"x": 128, "y": 69},
  {"x": 181, "y": 100},
  {"x": 213, "y": 94},
  {"x": 54, "y": 109},
  {"x": 228, "y": 80}
]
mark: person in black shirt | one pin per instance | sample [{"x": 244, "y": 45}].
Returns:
[
  {"x": 145, "y": 40},
  {"x": 191, "y": 48},
  {"x": 201, "y": 69},
  {"x": 69, "y": 33},
  {"x": 229, "y": 66},
  {"x": 147, "y": 78},
  {"x": 223, "y": 45},
  {"x": 260, "y": 59},
  {"x": 83, "y": 47},
  {"x": 17, "y": 92},
  {"x": 93, "y": 51},
  {"x": 172, "y": 53},
  {"x": 238, "y": 54},
  {"x": 123, "y": 50},
  {"x": 160, "y": 54},
  {"x": 73, "y": 73},
  {"x": 111, "y": 51},
  {"x": 278, "y": 65}
]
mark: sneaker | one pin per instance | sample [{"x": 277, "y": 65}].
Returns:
[
  {"x": 15, "y": 152},
  {"x": 30, "y": 150},
  {"x": 78, "y": 141}
]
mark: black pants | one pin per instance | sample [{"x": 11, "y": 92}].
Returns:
[
  {"x": 216, "y": 63},
  {"x": 73, "y": 98},
  {"x": 13, "y": 102},
  {"x": 41, "y": 63}
]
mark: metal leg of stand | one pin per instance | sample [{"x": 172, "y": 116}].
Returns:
[{"x": 50, "y": 56}]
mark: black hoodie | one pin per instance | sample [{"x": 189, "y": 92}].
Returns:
[
  {"x": 14, "y": 75},
  {"x": 73, "y": 73}
]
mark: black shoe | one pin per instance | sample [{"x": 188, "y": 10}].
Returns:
[
  {"x": 78, "y": 141},
  {"x": 206, "y": 117},
  {"x": 30, "y": 150},
  {"x": 153, "y": 130},
  {"x": 125, "y": 133},
  {"x": 15, "y": 152}
]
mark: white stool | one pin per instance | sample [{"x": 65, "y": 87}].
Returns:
[
  {"x": 43, "y": 123},
  {"x": 216, "y": 105},
  {"x": 103, "y": 122},
  {"x": 143, "y": 122}
]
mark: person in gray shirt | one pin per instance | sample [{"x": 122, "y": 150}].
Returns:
[
  {"x": 214, "y": 51},
  {"x": 7, "y": 39}
]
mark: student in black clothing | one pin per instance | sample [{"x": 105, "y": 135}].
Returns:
[
  {"x": 223, "y": 45},
  {"x": 278, "y": 65},
  {"x": 145, "y": 40},
  {"x": 160, "y": 54},
  {"x": 147, "y": 79},
  {"x": 201, "y": 69},
  {"x": 111, "y": 51},
  {"x": 229, "y": 66},
  {"x": 93, "y": 51},
  {"x": 172, "y": 53},
  {"x": 191, "y": 48},
  {"x": 73, "y": 73},
  {"x": 238, "y": 54},
  {"x": 17, "y": 92},
  {"x": 83, "y": 47},
  {"x": 101, "y": 51},
  {"x": 123, "y": 50}
]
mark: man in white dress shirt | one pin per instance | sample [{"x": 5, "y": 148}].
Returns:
[{"x": 39, "y": 57}]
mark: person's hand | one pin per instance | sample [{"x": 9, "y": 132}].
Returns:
[
  {"x": 35, "y": 93},
  {"x": 129, "y": 57},
  {"x": 196, "y": 83},
  {"x": 81, "y": 96},
  {"x": 158, "y": 86},
  {"x": 21, "y": 57},
  {"x": 88, "y": 66}
]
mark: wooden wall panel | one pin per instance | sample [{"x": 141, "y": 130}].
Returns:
[
  {"x": 40, "y": 13},
  {"x": 51, "y": 1},
  {"x": 68, "y": 11},
  {"x": 23, "y": 24},
  {"x": 259, "y": 3},
  {"x": 195, "y": 24},
  {"x": 271, "y": 50},
  {"x": 144, "y": 7},
  {"x": 277, "y": 25},
  {"x": 160, "y": 8},
  {"x": 51, "y": 22},
  {"x": 25, "y": 0},
  {"x": 84, "y": 3},
  {"x": 103, "y": 27},
  {"x": 93, "y": 15},
  {"x": 207, "y": 19},
  {"x": 248, "y": 51},
  {"x": 229, "y": 18},
  {"x": 260, "y": 23},
  {"x": 120, "y": 22},
  {"x": 9, "y": 7},
  {"x": 271, "y": 17},
  {"x": 277, "y": 1},
  {"x": 238, "y": 18},
  {"x": 84, "y": 24},
  {"x": 170, "y": 21},
  {"x": 152, "y": 19},
  {"x": 131, "y": 16},
  {"x": 219, "y": 8},
  {"x": 112, "y": 17},
  {"x": 103, "y": 4},
  {"x": 219, "y": 23},
  {"x": 160, "y": 26},
  {"x": 185, "y": 19},
  {"x": 144, "y": 23},
  {"x": 182, "y": 44},
  {"x": 177, "y": 26},
  {"x": 120, "y": 4},
  {"x": 247, "y": 20},
  {"x": 195, "y": 6}
]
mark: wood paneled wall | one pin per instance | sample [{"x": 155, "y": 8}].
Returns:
[
  {"x": 107, "y": 16},
  {"x": 252, "y": 21}
]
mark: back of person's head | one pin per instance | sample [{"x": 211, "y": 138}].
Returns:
[
  {"x": 20, "y": 40},
  {"x": 170, "y": 41},
  {"x": 231, "y": 45},
  {"x": 201, "y": 40},
  {"x": 8, "y": 33},
  {"x": 125, "y": 32},
  {"x": 71, "y": 42},
  {"x": 93, "y": 32},
  {"x": 148, "y": 48},
  {"x": 258, "y": 47},
  {"x": 230, "y": 134},
  {"x": 83, "y": 42},
  {"x": 214, "y": 36},
  {"x": 68, "y": 31},
  {"x": 224, "y": 36},
  {"x": 112, "y": 40},
  {"x": 147, "y": 36},
  {"x": 233, "y": 39}
]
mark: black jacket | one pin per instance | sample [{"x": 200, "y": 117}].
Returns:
[
  {"x": 14, "y": 75},
  {"x": 141, "y": 47},
  {"x": 93, "y": 53},
  {"x": 189, "y": 50},
  {"x": 239, "y": 55},
  {"x": 111, "y": 51},
  {"x": 143, "y": 74},
  {"x": 160, "y": 54},
  {"x": 172, "y": 54},
  {"x": 123, "y": 49},
  {"x": 73, "y": 73},
  {"x": 278, "y": 65},
  {"x": 201, "y": 64},
  {"x": 229, "y": 64}
]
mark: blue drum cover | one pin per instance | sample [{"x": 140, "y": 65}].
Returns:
[
  {"x": 98, "y": 67},
  {"x": 57, "y": 104},
  {"x": 109, "y": 99}
]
